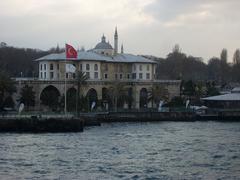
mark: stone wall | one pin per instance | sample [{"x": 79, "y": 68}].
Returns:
[{"x": 172, "y": 86}]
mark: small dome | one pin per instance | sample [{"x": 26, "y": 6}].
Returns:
[{"x": 103, "y": 44}]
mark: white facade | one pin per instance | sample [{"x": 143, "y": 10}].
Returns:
[
  {"x": 121, "y": 66},
  {"x": 143, "y": 71},
  {"x": 91, "y": 69},
  {"x": 49, "y": 70}
]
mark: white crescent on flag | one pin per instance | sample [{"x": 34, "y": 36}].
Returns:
[{"x": 70, "y": 52}]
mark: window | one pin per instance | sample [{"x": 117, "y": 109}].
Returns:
[
  {"x": 74, "y": 75},
  {"x": 116, "y": 76},
  {"x": 148, "y": 67},
  {"x": 96, "y": 75},
  {"x": 140, "y": 75},
  {"x": 140, "y": 68},
  {"x": 88, "y": 74},
  {"x": 120, "y": 76},
  {"x": 134, "y": 75},
  {"x": 87, "y": 67},
  {"x": 51, "y": 75},
  {"x": 41, "y": 75},
  {"x": 66, "y": 75},
  {"x": 95, "y": 67},
  {"x": 128, "y": 76},
  {"x": 81, "y": 67},
  {"x": 45, "y": 75},
  {"x": 58, "y": 66},
  {"x": 105, "y": 76},
  {"x": 148, "y": 76},
  {"x": 41, "y": 67},
  {"x": 51, "y": 66},
  {"x": 45, "y": 66}
]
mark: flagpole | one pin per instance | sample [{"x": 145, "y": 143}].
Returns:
[{"x": 65, "y": 87}]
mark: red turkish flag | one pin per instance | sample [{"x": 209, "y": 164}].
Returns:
[{"x": 70, "y": 52}]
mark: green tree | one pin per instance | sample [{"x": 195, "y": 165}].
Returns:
[
  {"x": 81, "y": 79},
  {"x": 211, "y": 89},
  {"x": 8, "y": 102},
  {"x": 27, "y": 96},
  {"x": 7, "y": 88},
  {"x": 118, "y": 94},
  {"x": 158, "y": 93}
]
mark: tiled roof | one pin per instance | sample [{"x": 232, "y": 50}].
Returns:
[
  {"x": 225, "y": 97},
  {"x": 92, "y": 56}
]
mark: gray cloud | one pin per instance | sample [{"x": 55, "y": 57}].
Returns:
[{"x": 201, "y": 27}]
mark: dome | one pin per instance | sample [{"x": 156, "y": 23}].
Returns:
[{"x": 103, "y": 44}]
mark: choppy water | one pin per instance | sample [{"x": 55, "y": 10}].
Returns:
[{"x": 168, "y": 150}]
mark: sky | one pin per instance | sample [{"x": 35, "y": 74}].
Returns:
[{"x": 202, "y": 28}]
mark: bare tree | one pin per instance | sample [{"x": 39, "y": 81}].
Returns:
[
  {"x": 236, "y": 57},
  {"x": 224, "y": 55}
]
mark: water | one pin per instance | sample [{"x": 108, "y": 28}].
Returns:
[{"x": 167, "y": 150}]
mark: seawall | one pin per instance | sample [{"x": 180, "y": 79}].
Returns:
[
  {"x": 41, "y": 125},
  {"x": 145, "y": 116}
]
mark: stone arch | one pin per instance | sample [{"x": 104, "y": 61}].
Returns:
[
  {"x": 50, "y": 96},
  {"x": 92, "y": 97},
  {"x": 143, "y": 98}
]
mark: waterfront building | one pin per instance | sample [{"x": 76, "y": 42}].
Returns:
[
  {"x": 225, "y": 101},
  {"x": 105, "y": 67}
]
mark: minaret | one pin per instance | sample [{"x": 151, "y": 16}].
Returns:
[
  {"x": 122, "y": 49},
  {"x": 115, "y": 42}
]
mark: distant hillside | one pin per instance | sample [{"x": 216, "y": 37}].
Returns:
[{"x": 19, "y": 62}]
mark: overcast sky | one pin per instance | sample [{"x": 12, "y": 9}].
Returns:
[{"x": 202, "y": 28}]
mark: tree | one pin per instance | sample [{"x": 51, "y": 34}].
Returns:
[
  {"x": 236, "y": 57},
  {"x": 81, "y": 79},
  {"x": 176, "y": 49},
  {"x": 211, "y": 89},
  {"x": 118, "y": 94},
  {"x": 158, "y": 93},
  {"x": 224, "y": 55},
  {"x": 27, "y": 96},
  {"x": 223, "y": 66},
  {"x": 7, "y": 87},
  {"x": 8, "y": 102},
  {"x": 214, "y": 69}
]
